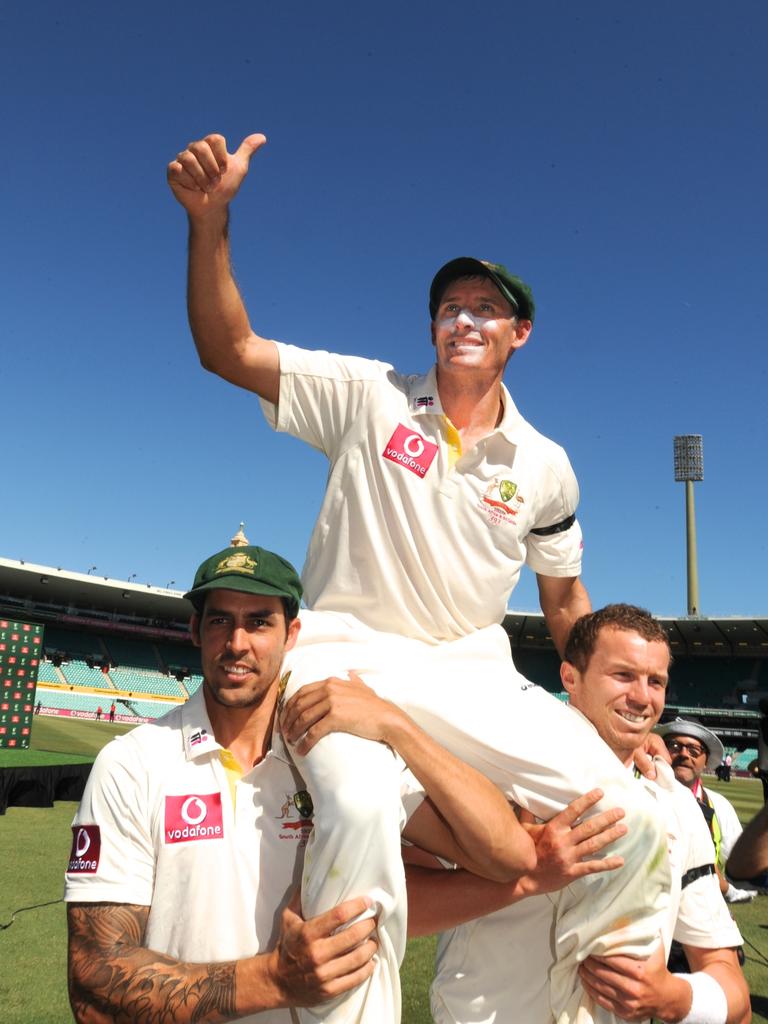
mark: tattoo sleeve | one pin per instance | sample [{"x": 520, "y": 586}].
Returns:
[{"x": 112, "y": 977}]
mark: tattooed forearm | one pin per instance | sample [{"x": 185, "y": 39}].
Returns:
[{"x": 112, "y": 977}]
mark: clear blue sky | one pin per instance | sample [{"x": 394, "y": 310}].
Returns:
[{"x": 612, "y": 154}]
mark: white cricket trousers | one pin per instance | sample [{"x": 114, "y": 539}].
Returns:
[{"x": 468, "y": 695}]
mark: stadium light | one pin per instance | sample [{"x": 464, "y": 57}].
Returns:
[{"x": 689, "y": 469}]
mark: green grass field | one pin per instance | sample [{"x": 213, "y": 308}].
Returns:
[{"x": 34, "y": 845}]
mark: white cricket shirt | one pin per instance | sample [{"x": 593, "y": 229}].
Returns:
[
  {"x": 156, "y": 827},
  {"x": 414, "y": 537},
  {"x": 495, "y": 969}
]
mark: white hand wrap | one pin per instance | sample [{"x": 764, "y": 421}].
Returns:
[{"x": 709, "y": 1005}]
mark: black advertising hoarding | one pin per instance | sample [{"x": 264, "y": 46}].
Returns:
[{"x": 21, "y": 647}]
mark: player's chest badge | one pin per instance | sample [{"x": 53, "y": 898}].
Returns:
[
  {"x": 295, "y": 816},
  {"x": 501, "y": 501}
]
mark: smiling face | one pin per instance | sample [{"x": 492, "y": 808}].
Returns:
[
  {"x": 622, "y": 689},
  {"x": 475, "y": 327},
  {"x": 242, "y": 640}
]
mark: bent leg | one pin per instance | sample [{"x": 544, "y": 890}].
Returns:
[{"x": 470, "y": 698}]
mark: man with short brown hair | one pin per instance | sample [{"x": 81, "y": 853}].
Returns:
[{"x": 615, "y": 672}]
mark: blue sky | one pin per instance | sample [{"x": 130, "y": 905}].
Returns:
[{"x": 612, "y": 154}]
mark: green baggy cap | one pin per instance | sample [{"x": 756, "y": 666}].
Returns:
[
  {"x": 251, "y": 570},
  {"x": 511, "y": 287}
]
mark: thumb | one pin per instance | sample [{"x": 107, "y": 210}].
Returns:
[
  {"x": 294, "y": 904},
  {"x": 644, "y": 764},
  {"x": 249, "y": 145}
]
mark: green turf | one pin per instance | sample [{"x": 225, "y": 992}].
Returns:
[
  {"x": 63, "y": 741},
  {"x": 34, "y": 845},
  {"x": 415, "y": 976},
  {"x": 74, "y": 735},
  {"x": 39, "y": 758}
]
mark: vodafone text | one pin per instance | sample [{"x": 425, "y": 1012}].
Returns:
[{"x": 411, "y": 450}]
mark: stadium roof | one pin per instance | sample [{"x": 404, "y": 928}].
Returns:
[
  {"x": 729, "y": 637},
  {"x": 30, "y": 588}
]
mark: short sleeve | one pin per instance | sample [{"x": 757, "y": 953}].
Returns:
[
  {"x": 112, "y": 858},
  {"x": 554, "y": 542},
  {"x": 322, "y": 395},
  {"x": 703, "y": 917},
  {"x": 412, "y": 794}
]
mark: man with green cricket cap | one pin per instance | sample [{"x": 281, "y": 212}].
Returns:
[
  {"x": 438, "y": 492},
  {"x": 192, "y": 830},
  {"x": 249, "y": 570}
]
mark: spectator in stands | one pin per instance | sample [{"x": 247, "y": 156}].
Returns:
[
  {"x": 111, "y": 712},
  {"x": 191, "y": 831},
  {"x": 695, "y": 748},
  {"x": 98, "y": 714}
]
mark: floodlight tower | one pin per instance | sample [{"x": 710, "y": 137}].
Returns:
[{"x": 689, "y": 467}]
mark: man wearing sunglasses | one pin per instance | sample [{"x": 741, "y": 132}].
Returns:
[{"x": 694, "y": 749}]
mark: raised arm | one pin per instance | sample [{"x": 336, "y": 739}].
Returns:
[
  {"x": 205, "y": 178},
  {"x": 466, "y": 819},
  {"x": 112, "y": 977},
  {"x": 563, "y": 599}
]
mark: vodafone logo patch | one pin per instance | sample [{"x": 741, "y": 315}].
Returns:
[
  {"x": 86, "y": 848},
  {"x": 410, "y": 450},
  {"x": 192, "y": 817}
]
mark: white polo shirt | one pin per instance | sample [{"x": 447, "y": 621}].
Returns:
[
  {"x": 495, "y": 969},
  {"x": 156, "y": 827},
  {"x": 414, "y": 537}
]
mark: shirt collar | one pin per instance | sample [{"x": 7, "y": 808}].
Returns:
[
  {"x": 197, "y": 732},
  {"x": 511, "y": 421},
  {"x": 423, "y": 398},
  {"x": 698, "y": 790},
  {"x": 422, "y": 394},
  {"x": 196, "y": 728}
]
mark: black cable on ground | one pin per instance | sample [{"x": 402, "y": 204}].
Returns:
[
  {"x": 35, "y": 906},
  {"x": 759, "y": 952}
]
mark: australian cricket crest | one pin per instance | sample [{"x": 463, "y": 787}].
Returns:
[
  {"x": 501, "y": 501},
  {"x": 296, "y": 816},
  {"x": 237, "y": 562}
]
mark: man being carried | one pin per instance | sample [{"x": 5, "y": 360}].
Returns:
[
  {"x": 438, "y": 492},
  {"x": 191, "y": 833}
]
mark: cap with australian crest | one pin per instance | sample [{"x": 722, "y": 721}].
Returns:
[
  {"x": 514, "y": 290},
  {"x": 250, "y": 570}
]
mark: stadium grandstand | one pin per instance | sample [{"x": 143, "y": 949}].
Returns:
[
  {"x": 105, "y": 642},
  {"x": 109, "y": 641}
]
